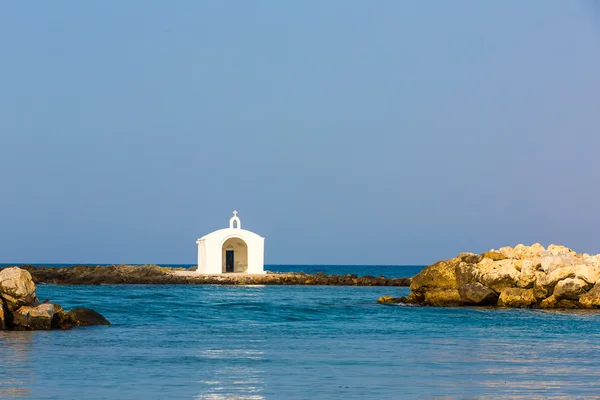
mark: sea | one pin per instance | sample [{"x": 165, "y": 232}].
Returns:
[{"x": 298, "y": 342}]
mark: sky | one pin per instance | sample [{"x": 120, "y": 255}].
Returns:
[{"x": 343, "y": 131}]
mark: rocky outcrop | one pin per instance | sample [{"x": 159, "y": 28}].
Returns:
[
  {"x": 152, "y": 274},
  {"x": 21, "y": 310},
  {"x": 16, "y": 288},
  {"x": 520, "y": 277}
]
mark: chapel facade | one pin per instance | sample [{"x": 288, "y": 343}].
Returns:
[{"x": 231, "y": 250}]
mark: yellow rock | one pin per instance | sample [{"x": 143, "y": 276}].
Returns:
[
  {"x": 517, "y": 297},
  {"x": 439, "y": 275},
  {"x": 557, "y": 250},
  {"x": 550, "y": 280},
  {"x": 2, "y": 317},
  {"x": 385, "y": 300},
  {"x": 493, "y": 255},
  {"x": 589, "y": 273},
  {"x": 496, "y": 275},
  {"x": 549, "y": 302},
  {"x": 592, "y": 298},
  {"x": 570, "y": 288},
  {"x": 16, "y": 287},
  {"x": 443, "y": 298}
]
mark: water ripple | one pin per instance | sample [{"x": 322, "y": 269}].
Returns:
[{"x": 297, "y": 342}]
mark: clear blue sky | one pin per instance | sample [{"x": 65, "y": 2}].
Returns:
[{"x": 345, "y": 132}]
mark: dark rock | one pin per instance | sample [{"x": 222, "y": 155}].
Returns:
[
  {"x": 569, "y": 304},
  {"x": 61, "y": 320},
  {"x": 415, "y": 298},
  {"x": 86, "y": 317},
  {"x": 151, "y": 274},
  {"x": 469, "y": 258}
]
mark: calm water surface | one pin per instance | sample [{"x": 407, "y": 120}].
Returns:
[{"x": 296, "y": 342}]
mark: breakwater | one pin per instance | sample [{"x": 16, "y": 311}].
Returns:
[{"x": 152, "y": 274}]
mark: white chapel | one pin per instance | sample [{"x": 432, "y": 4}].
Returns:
[{"x": 230, "y": 250}]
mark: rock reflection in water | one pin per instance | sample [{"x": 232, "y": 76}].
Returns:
[{"x": 16, "y": 375}]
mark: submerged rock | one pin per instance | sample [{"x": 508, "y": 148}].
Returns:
[
  {"x": 86, "y": 317},
  {"x": 523, "y": 276},
  {"x": 391, "y": 300}
]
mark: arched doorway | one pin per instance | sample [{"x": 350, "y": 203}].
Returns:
[{"x": 234, "y": 255}]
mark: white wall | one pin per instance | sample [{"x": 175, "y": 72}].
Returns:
[{"x": 211, "y": 255}]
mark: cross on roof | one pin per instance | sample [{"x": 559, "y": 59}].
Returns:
[{"x": 235, "y": 213}]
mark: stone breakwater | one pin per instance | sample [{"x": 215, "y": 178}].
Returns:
[
  {"x": 21, "y": 310},
  {"x": 522, "y": 277},
  {"x": 151, "y": 274}
]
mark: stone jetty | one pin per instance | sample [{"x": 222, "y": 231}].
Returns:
[
  {"x": 20, "y": 308},
  {"x": 521, "y": 277},
  {"x": 152, "y": 274}
]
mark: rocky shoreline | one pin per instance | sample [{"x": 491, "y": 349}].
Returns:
[
  {"x": 152, "y": 274},
  {"x": 519, "y": 277},
  {"x": 20, "y": 309}
]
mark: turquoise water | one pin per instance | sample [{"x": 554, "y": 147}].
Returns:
[{"x": 296, "y": 342}]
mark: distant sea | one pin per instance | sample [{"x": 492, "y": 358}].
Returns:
[{"x": 298, "y": 342}]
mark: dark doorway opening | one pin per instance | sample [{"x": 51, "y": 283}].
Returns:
[{"x": 229, "y": 264}]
